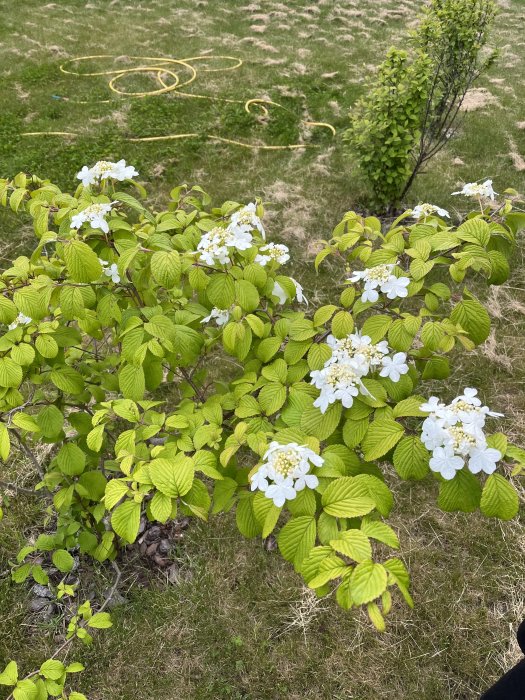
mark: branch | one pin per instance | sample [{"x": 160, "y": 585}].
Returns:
[
  {"x": 22, "y": 489},
  {"x": 29, "y": 453}
]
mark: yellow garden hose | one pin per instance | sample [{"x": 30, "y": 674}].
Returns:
[{"x": 167, "y": 74}]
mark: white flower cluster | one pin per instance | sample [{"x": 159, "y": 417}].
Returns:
[
  {"x": 424, "y": 210},
  {"x": 454, "y": 434},
  {"x": 272, "y": 251},
  {"x": 279, "y": 292},
  {"x": 106, "y": 170},
  {"x": 221, "y": 316},
  {"x": 246, "y": 219},
  {"x": 20, "y": 320},
  {"x": 352, "y": 358},
  {"x": 95, "y": 214},
  {"x": 215, "y": 246},
  {"x": 285, "y": 471},
  {"x": 478, "y": 189},
  {"x": 381, "y": 276},
  {"x": 110, "y": 270}
]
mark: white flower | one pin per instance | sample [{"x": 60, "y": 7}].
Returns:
[
  {"x": 272, "y": 251},
  {"x": 110, "y": 270},
  {"x": 394, "y": 367},
  {"x": 299, "y": 292},
  {"x": 478, "y": 189},
  {"x": 103, "y": 170},
  {"x": 352, "y": 358},
  {"x": 246, "y": 220},
  {"x": 396, "y": 287},
  {"x": 340, "y": 381},
  {"x": 280, "y": 491},
  {"x": 456, "y": 431},
  {"x": 20, "y": 320},
  {"x": 95, "y": 214},
  {"x": 484, "y": 460},
  {"x": 215, "y": 245},
  {"x": 444, "y": 462},
  {"x": 278, "y": 291},
  {"x": 369, "y": 294},
  {"x": 380, "y": 277},
  {"x": 424, "y": 210},
  {"x": 284, "y": 471},
  {"x": 221, "y": 316},
  {"x": 259, "y": 480}
]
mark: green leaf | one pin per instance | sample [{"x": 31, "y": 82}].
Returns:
[
  {"x": 9, "y": 675},
  {"x": 221, "y": 291},
  {"x": 473, "y": 318},
  {"x": 63, "y": 560},
  {"x": 354, "y": 544},
  {"x": 132, "y": 382},
  {"x": 115, "y": 490},
  {"x": 5, "y": 443},
  {"x": 432, "y": 334},
  {"x": 125, "y": 520},
  {"x": 376, "y": 327},
  {"x": 52, "y": 669},
  {"x": 380, "y": 531},
  {"x": 245, "y": 517},
  {"x": 172, "y": 476},
  {"x": 266, "y": 513},
  {"x": 376, "y": 617},
  {"x": 246, "y": 295},
  {"x": 82, "y": 262},
  {"x": 197, "y": 500},
  {"x": 67, "y": 379},
  {"x": 11, "y": 374},
  {"x": 321, "y": 425},
  {"x": 268, "y": 348},
  {"x": 8, "y": 311},
  {"x": 71, "y": 460},
  {"x": 381, "y": 437},
  {"x": 474, "y": 231},
  {"x": 272, "y": 397},
  {"x": 411, "y": 458},
  {"x": 354, "y": 431},
  {"x": 95, "y": 438},
  {"x": 26, "y": 690},
  {"x": 161, "y": 507},
  {"x": 499, "y": 498},
  {"x": 409, "y": 407},
  {"x": 368, "y": 582},
  {"x": 166, "y": 268},
  {"x": 342, "y": 324},
  {"x": 462, "y": 493},
  {"x": 50, "y": 421},
  {"x": 347, "y": 498},
  {"x": 436, "y": 368},
  {"x": 100, "y": 621},
  {"x": 297, "y": 538},
  {"x": 47, "y": 346},
  {"x": 318, "y": 354}
]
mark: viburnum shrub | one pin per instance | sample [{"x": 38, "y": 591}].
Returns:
[{"x": 175, "y": 368}]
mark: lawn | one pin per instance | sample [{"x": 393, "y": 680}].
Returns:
[{"x": 237, "y": 623}]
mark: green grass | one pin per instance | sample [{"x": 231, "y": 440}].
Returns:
[{"x": 241, "y": 625}]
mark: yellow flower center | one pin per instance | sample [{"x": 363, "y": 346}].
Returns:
[
  {"x": 285, "y": 462},
  {"x": 460, "y": 437}
]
